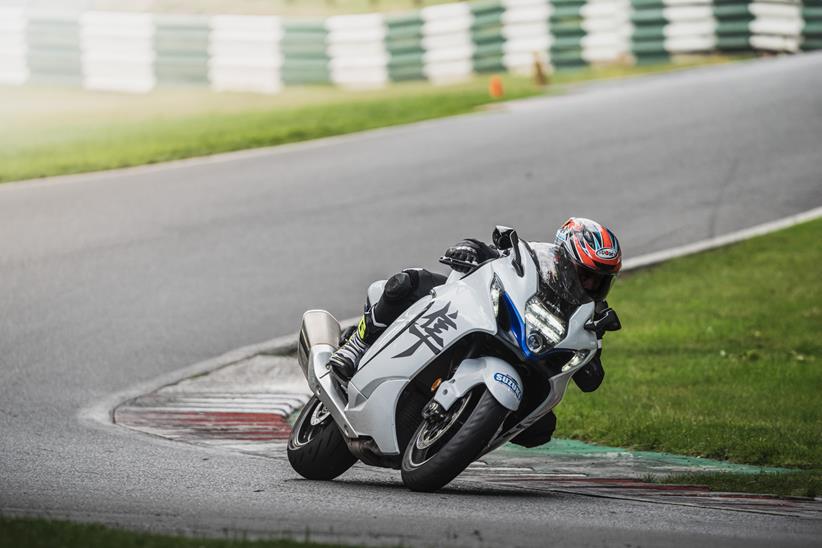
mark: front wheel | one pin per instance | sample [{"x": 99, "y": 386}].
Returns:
[
  {"x": 316, "y": 448},
  {"x": 446, "y": 443}
]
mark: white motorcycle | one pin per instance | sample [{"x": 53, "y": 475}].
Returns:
[{"x": 462, "y": 371}]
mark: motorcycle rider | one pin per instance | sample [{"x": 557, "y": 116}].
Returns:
[{"x": 592, "y": 249}]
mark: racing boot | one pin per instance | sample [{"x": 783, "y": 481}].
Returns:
[{"x": 346, "y": 359}]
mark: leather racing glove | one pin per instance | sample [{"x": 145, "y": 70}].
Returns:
[{"x": 470, "y": 251}]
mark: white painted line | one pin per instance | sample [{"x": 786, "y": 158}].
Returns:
[{"x": 719, "y": 241}]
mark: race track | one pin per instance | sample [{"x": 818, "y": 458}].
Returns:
[{"x": 113, "y": 279}]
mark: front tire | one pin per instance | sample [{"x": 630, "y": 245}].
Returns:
[
  {"x": 442, "y": 448},
  {"x": 316, "y": 448}
]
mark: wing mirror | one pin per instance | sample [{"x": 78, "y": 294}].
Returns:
[
  {"x": 505, "y": 237},
  {"x": 607, "y": 321},
  {"x": 502, "y": 237}
]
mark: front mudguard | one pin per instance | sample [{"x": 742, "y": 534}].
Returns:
[{"x": 501, "y": 379}]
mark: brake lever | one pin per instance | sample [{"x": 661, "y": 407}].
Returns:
[{"x": 448, "y": 261}]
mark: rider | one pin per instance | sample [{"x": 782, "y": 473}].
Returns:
[{"x": 594, "y": 252}]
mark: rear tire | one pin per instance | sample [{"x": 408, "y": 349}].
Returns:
[
  {"x": 316, "y": 448},
  {"x": 440, "y": 450}
]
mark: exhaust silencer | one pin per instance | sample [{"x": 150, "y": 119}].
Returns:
[{"x": 318, "y": 327}]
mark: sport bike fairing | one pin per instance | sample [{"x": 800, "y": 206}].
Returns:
[{"x": 431, "y": 325}]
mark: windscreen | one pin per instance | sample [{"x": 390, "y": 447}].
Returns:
[{"x": 559, "y": 284}]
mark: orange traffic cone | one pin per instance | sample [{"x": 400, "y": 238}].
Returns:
[{"x": 495, "y": 89}]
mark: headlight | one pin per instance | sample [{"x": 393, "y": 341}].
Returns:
[
  {"x": 496, "y": 292},
  {"x": 544, "y": 328}
]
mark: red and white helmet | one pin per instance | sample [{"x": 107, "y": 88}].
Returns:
[{"x": 595, "y": 252}]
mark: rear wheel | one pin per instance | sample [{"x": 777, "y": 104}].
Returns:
[
  {"x": 316, "y": 448},
  {"x": 447, "y": 442}
]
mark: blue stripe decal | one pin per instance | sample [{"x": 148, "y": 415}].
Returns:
[{"x": 517, "y": 325}]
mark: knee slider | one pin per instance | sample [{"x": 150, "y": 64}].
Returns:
[{"x": 398, "y": 287}]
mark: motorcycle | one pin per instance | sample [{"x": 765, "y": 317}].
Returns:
[{"x": 461, "y": 372}]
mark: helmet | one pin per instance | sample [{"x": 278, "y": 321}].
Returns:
[{"x": 594, "y": 251}]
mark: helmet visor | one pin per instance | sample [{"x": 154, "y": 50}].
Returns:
[
  {"x": 595, "y": 284},
  {"x": 558, "y": 276}
]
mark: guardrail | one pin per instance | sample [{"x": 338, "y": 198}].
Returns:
[{"x": 136, "y": 52}]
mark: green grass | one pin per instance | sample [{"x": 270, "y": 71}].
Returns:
[
  {"x": 41, "y": 533},
  {"x": 798, "y": 484},
  {"x": 55, "y": 132},
  {"x": 720, "y": 356}
]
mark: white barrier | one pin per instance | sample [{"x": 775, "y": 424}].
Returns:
[
  {"x": 776, "y": 27},
  {"x": 117, "y": 51},
  {"x": 13, "y": 47},
  {"x": 446, "y": 42},
  {"x": 244, "y": 53},
  {"x": 443, "y": 43},
  {"x": 603, "y": 41},
  {"x": 525, "y": 34},
  {"x": 356, "y": 49}
]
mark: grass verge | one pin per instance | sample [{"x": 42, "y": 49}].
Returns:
[
  {"x": 719, "y": 358},
  {"x": 56, "y": 132},
  {"x": 807, "y": 483},
  {"x": 41, "y": 533}
]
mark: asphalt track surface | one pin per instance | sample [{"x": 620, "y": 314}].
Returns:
[{"x": 113, "y": 279}]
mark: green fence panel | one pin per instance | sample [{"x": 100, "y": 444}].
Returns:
[
  {"x": 181, "y": 47},
  {"x": 485, "y": 7},
  {"x": 653, "y": 33},
  {"x": 812, "y": 44},
  {"x": 492, "y": 35},
  {"x": 491, "y": 63},
  {"x": 648, "y": 17},
  {"x": 647, "y": 4},
  {"x": 54, "y": 55},
  {"x": 305, "y": 59},
  {"x": 736, "y": 11},
  {"x": 403, "y": 41}
]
